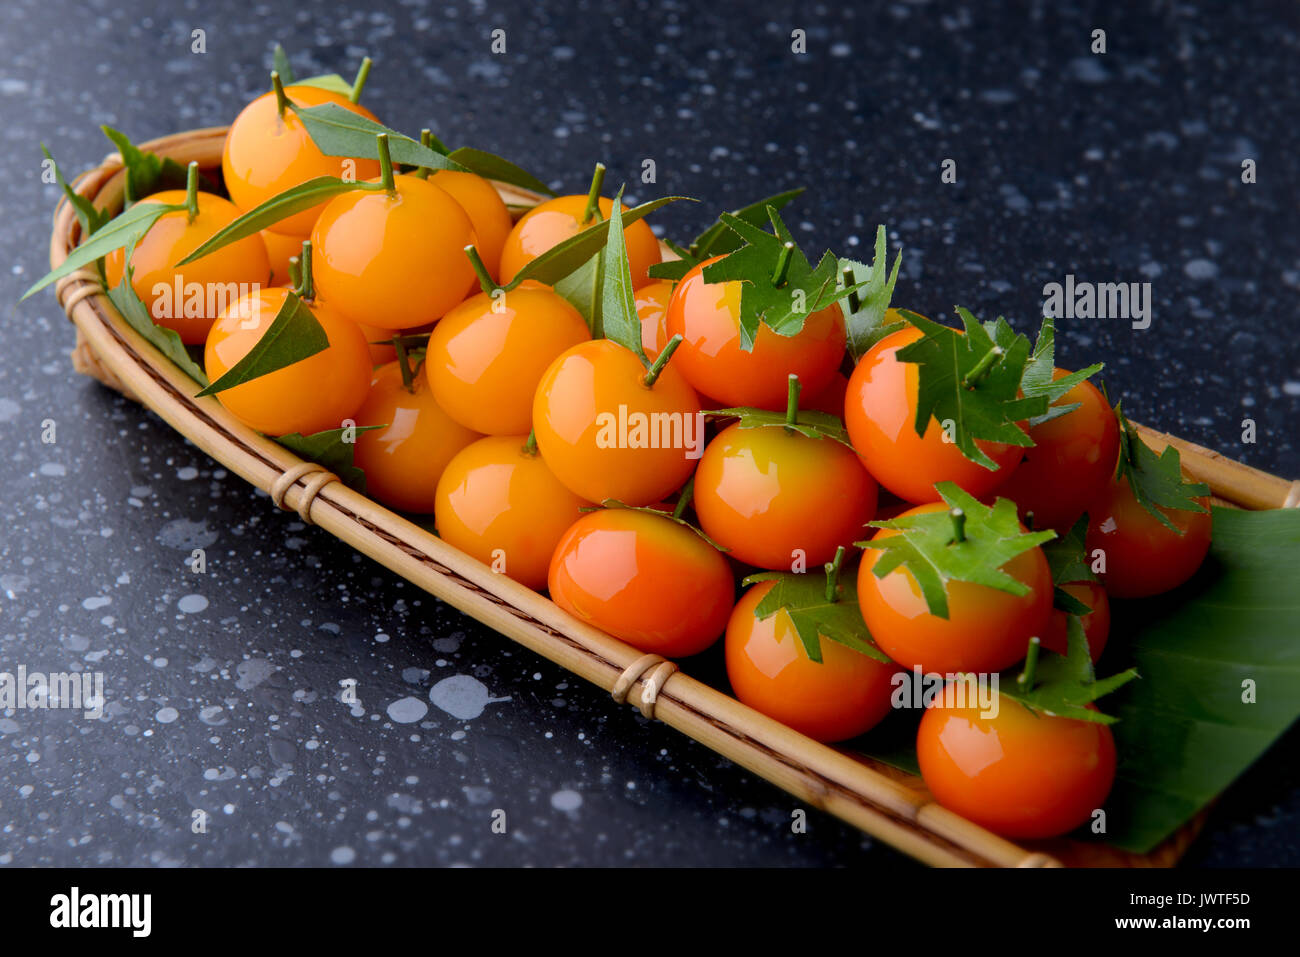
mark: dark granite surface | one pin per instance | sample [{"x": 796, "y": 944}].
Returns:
[{"x": 223, "y": 688}]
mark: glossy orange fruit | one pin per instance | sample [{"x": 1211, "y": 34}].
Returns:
[
  {"x": 486, "y": 210},
  {"x": 207, "y": 285},
  {"x": 498, "y": 502},
  {"x": 652, "y": 309},
  {"x": 267, "y": 152},
  {"x": 280, "y": 248},
  {"x": 556, "y": 220},
  {"x": 643, "y": 578}
]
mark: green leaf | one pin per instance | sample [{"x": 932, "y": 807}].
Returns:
[
  {"x": 1156, "y": 480},
  {"x": 1189, "y": 728},
  {"x": 582, "y": 289},
  {"x": 865, "y": 325},
  {"x": 281, "y": 206},
  {"x": 809, "y": 422},
  {"x": 1067, "y": 557},
  {"x": 146, "y": 172},
  {"x": 490, "y": 166},
  {"x": 952, "y": 389},
  {"x": 340, "y": 132},
  {"x": 293, "y": 335},
  {"x": 121, "y": 232},
  {"x": 618, "y": 315},
  {"x": 167, "y": 341},
  {"x": 280, "y": 64},
  {"x": 328, "y": 81},
  {"x": 718, "y": 239},
  {"x": 330, "y": 450},
  {"x": 1066, "y": 683},
  {"x": 803, "y": 598},
  {"x": 1038, "y": 381},
  {"x": 673, "y": 269},
  {"x": 565, "y": 258},
  {"x": 928, "y": 546},
  {"x": 89, "y": 217}
]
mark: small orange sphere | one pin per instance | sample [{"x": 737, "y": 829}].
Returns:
[
  {"x": 773, "y": 497},
  {"x": 844, "y": 695},
  {"x": 880, "y": 413},
  {"x": 403, "y": 461},
  {"x": 986, "y": 629},
  {"x": 188, "y": 299},
  {"x": 499, "y": 503},
  {"x": 267, "y": 152},
  {"x": 643, "y": 578},
  {"x": 652, "y": 309},
  {"x": 395, "y": 259},
  {"x": 312, "y": 395},
  {"x": 831, "y": 399},
  {"x": 1018, "y": 773},
  {"x": 280, "y": 248},
  {"x": 606, "y": 434},
  {"x": 486, "y": 210},
  {"x": 555, "y": 220},
  {"x": 707, "y": 317},
  {"x": 487, "y": 355},
  {"x": 1143, "y": 557}
]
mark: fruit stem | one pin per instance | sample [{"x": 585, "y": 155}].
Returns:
[
  {"x": 305, "y": 288},
  {"x": 359, "y": 84},
  {"x": 652, "y": 374},
  {"x": 426, "y": 140},
  {"x": 684, "y": 497},
  {"x": 404, "y": 366},
  {"x": 485, "y": 279},
  {"x": 192, "y": 191},
  {"x": 530, "y": 444},
  {"x": 782, "y": 265},
  {"x": 1025, "y": 682},
  {"x": 593, "y": 194},
  {"x": 386, "y": 164},
  {"x": 850, "y": 280},
  {"x": 792, "y": 401},
  {"x": 958, "y": 525},
  {"x": 981, "y": 368},
  {"x": 833, "y": 575},
  {"x": 281, "y": 100},
  {"x": 295, "y": 272}
]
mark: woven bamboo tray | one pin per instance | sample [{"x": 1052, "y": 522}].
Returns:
[{"x": 890, "y": 805}]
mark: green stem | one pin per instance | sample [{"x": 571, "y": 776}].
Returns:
[
  {"x": 958, "y": 525},
  {"x": 782, "y": 265},
  {"x": 850, "y": 280},
  {"x": 426, "y": 140},
  {"x": 295, "y": 272},
  {"x": 792, "y": 401},
  {"x": 359, "y": 84},
  {"x": 530, "y": 444},
  {"x": 684, "y": 498},
  {"x": 386, "y": 165},
  {"x": 833, "y": 575},
  {"x": 652, "y": 374},
  {"x": 1026, "y": 680},
  {"x": 192, "y": 191},
  {"x": 982, "y": 367},
  {"x": 305, "y": 288},
  {"x": 593, "y": 194},
  {"x": 485, "y": 280},
  {"x": 404, "y": 366},
  {"x": 281, "y": 100}
]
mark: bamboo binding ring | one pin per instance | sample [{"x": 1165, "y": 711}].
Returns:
[
  {"x": 638, "y": 669},
  {"x": 1293, "y": 496},
  {"x": 320, "y": 478}
]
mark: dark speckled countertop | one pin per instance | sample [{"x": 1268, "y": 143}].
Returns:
[{"x": 223, "y": 689}]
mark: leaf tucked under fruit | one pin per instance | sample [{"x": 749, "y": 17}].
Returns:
[
  {"x": 1156, "y": 480},
  {"x": 809, "y": 422},
  {"x": 650, "y": 509},
  {"x": 293, "y": 335},
  {"x": 490, "y": 166},
  {"x": 146, "y": 172},
  {"x": 971, "y": 382},
  {"x": 1038, "y": 380},
  {"x": 929, "y": 546},
  {"x": 167, "y": 341},
  {"x": 864, "y": 311},
  {"x": 1065, "y": 684},
  {"x": 814, "y": 616},
  {"x": 1067, "y": 557},
  {"x": 330, "y": 450}
]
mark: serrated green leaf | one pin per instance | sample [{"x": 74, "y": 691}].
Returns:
[
  {"x": 1038, "y": 381},
  {"x": 167, "y": 341},
  {"x": 1156, "y": 480},
  {"x": 718, "y": 240},
  {"x": 121, "y": 232},
  {"x": 926, "y": 545},
  {"x": 1067, "y": 556},
  {"x": 865, "y": 325},
  {"x": 329, "y": 449},
  {"x": 281, "y": 206},
  {"x": 90, "y": 218},
  {"x": 989, "y": 407},
  {"x": 618, "y": 316},
  {"x": 490, "y": 166},
  {"x": 671, "y": 269},
  {"x": 803, "y": 598},
  {"x": 808, "y": 422},
  {"x": 337, "y": 131},
  {"x": 1065, "y": 684},
  {"x": 146, "y": 172},
  {"x": 293, "y": 335}
]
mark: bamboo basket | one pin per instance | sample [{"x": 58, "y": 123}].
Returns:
[{"x": 888, "y": 804}]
